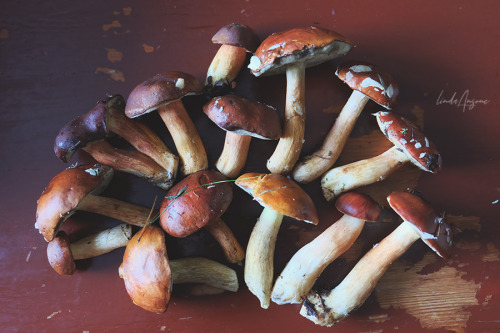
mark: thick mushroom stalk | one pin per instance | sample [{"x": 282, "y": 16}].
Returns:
[{"x": 234, "y": 154}]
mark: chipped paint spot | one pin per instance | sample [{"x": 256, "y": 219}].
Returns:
[
  {"x": 114, "y": 55},
  {"x": 492, "y": 253},
  {"x": 114, "y": 24},
  {"x": 115, "y": 75},
  {"x": 148, "y": 48},
  {"x": 487, "y": 300},
  {"x": 4, "y": 33},
  {"x": 127, "y": 11},
  {"x": 380, "y": 318},
  {"x": 53, "y": 314}
]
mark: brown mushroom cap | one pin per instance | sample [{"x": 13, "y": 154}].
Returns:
[
  {"x": 311, "y": 45},
  {"x": 160, "y": 90},
  {"x": 239, "y": 115},
  {"x": 435, "y": 232},
  {"x": 280, "y": 194},
  {"x": 64, "y": 192},
  {"x": 371, "y": 80},
  {"x": 239, "y": 35},
  {"x": 406, "y": 136},
  {"x": 358, "y": 205},
  {"x": 183, "y": 215},
  {"x": 60, "y": 255}
]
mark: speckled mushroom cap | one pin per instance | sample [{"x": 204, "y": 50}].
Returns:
[
  {"x": 407, "y": 137},
  {"x": 146, "y": 270},
  {"x": 280, "y": 194},
  {"x": 434, "y": 231},
  {"x": 59, "y": 254},
  {"x": 358, "y": 205},
  {"x": 236, "y": 34},
  {"x": 185, "y": 214},
  {"x": 160, "y": 90},
  {"x": 371, "y": 80},
  {"x": 311, "y": 45},
  {"x": 239, "y": 115},
  {"x": 64, "y": 192}
]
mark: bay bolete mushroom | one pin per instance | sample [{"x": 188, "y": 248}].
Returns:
[
  {"x": 292, "y": 51},
  {"x": 280, "y": 196}
]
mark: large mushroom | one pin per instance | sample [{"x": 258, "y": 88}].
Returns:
[
  {"x": 163, "y": 93},
  {"x": 292, "y": 51},
  {"x": 280, "y": 196},
  {"x": 410, "y": 145},
  {"x": 304, "y": 268},
  {"x": 367, "y": 81},
  {"x": 420, "y": 221},
  {"x": 242, "y": 119}
]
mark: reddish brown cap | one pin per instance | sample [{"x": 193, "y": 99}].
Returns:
[
  {"x": 236, "y": 34},
  {"x": 358, "y": 205},
  {"x": 311, "y": 45},
  {"x": 407, "y": 137},
  {"x": 60, "y": 255},
  {"x": 64, "y": 192},
  {"x": 239, "y": 115},
  {"x": 371, "y": 80},
  {"x": 434, "y": 231},
  {"x": 184, "y": 214},
  {"x": 280, "y": 194},
  {"x": 160, "y": 90}
]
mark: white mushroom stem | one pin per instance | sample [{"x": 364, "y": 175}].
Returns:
[
  {"x": 290, "y": 144},
  {"x": 232, "y": 249},
  {"x": 234, "y": 155},
  {"x": 302, "y": 271},
  {"x": 323, "y": 159},
  {"x": 360, "y": 173},
  {"x": 260, "y": 255},
  {"x": 102, "y": 242},
  {"x": 328, "y": 308},
  {"x": 226, "y": 65}
]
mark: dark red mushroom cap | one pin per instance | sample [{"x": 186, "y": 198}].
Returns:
[
  {"x": 371, "y": 80},
  {"x": 358, "y": 205},
  {"x": 407, "y": 137},
  {"x": 434, "y": 231},
  {"x": 239, "y": 35},
  {"x": 59, "y": 254},
  {"x": 239, "y": 115}
]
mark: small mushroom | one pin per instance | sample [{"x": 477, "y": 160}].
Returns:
[
  {"x": 308, "y": 263},
  {"x": 292, "y": 51},
  {"x": 410, "y": 145},
  {"x": 420, "y": 221},
  {"x": 163, "y": 93},
  {"x": 242, "y": 119},
  {"x": 368, "y": 81},
  {"x": 280, "y": 196}
]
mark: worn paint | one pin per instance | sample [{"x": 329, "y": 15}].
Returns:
[
  {"x": 113, "y": 24},
  {"x": 114, "y": 55},
  {"x": 4, "y": 33},
  {"x": 115, "y": 75},
  {"x": 127, "y": 11},
  {"x": 148, "y": 48},
  {"x": 491, "y": 254},
  {"x": 461, "y": 223}
]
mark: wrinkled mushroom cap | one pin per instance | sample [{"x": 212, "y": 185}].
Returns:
[
  {"x": 239, "y": 35},
  {"x": 185, "y": 214},
  {"x": 160, "y": 90},
  {"x": 59, "y": 254},
  {"x": 371, "y": 80},
  {"x": 407, "y": 137},
  {"x": 358, "y": 205},
  {"x": 65, "y": 191},
  {"x": 239, "y": 115},
  {"x": 280, "y": 194}
]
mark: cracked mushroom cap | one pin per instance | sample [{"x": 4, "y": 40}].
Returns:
[
  {"x": 239, "y": 35},
  {"x": 358, "y": 205},
  {"x": 59, "y": 254},
  {"x": 64, "y": 192},
  {"x": 160, "y": 90},
  {"x": 371, "y": 80},
  {"x": 239, "y": 115},
  {"x": 311, "y": 45},
  {"x": 280, "y": 194},
  {"x": 407, "y": 137},
  {"x": 190, "y": 205},
  {"x": 433, "y": 230}
]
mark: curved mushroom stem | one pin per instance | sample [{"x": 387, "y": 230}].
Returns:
[
  {"x": 308, "y": 263},
  {"x": 225, "y": 66},
  {"x": 320, "y": 161},
  {"x": 232, "y": 249},
  {"x": 234, "y": 155},
  {"x": 351, "y": 293},
  {"x": 360, "y": 173},
  {"x": 191, "y": 151},
  {"x": 102, "y": 242},
  {"x": 290, "y": 144},
  {"x": 260, "y": 255}
]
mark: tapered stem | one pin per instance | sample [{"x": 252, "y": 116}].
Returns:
[
  {"x": 232, "y": 249},
  {"x": 225, "y": 66},
  {"x": 234, "y": 155},
  {"x": 102, "y": 242}
]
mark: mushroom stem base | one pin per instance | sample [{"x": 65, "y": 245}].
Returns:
[{"x": 234, "y": 155}]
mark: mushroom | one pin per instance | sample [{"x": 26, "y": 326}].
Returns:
[
  {"x": 308, "y": 263},
  {"x": 420, "y": 221},
  {"x": 368, "y": 81},
  {"x": 241, "y": 119},
  {"x": 62, "y": 254},
  {"x": 163, "y": 92},
  {"x": 410, "y": 144},
  {"x": 292, "y": 51},
  {"x": 280, "y": 196},
  {"x": 198, "y": 201},
  {"x": 77, "y": 188},
  {"x": 235, "y": 40}
]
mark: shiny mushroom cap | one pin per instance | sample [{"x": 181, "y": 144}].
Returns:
[
  {"x": 358, "y": 205},
  {"x": 408, "y": 138},
  {"x": 239, "y": 35},
  {"x": 371, "y": 80},
  {"x": 59, "y": 254},
  {"x": 280, "y": 194}
]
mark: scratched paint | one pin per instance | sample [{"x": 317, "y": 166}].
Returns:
[
  {"x": 114, "y": 74},
  {"x": 113, "y": 24}
]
